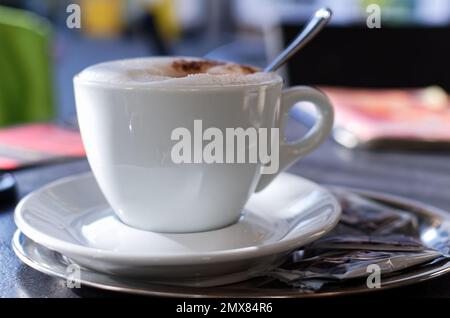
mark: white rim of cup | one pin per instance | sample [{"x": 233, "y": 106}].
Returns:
[{"x": 163, "y": 85}]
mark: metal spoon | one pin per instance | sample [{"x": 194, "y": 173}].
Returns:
[{"x": 320, "y": 18}]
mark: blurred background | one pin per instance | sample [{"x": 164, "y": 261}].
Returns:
[
  {"x": 36, "y": 38},
  {"x": 385, "y": 64},
  {"x": 388, "y": 82}
]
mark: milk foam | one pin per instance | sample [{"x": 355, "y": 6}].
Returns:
[{"x": 160, "y": 70}]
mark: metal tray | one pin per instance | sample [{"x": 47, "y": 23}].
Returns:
[{"x": 434, "y": 225}]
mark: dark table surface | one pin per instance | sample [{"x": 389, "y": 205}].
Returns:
[{"x": 422, "y": 176}]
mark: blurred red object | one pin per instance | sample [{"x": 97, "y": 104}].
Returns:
[
  {"x": 365, "y": 116},
  {"x": 33, "y": 144}
]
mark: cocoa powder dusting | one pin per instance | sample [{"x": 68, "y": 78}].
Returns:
[{"x": 186, "y": 67}]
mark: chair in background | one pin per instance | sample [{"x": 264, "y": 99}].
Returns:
[
  {"x": 25, "y": 68},
  {"x": 355, "y": 56}
]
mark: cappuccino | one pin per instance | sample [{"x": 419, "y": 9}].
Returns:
[
  {"x": 128, "y": 111},
  {"x": 174, "y": 71}
]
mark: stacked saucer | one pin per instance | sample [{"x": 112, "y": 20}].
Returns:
[{"x": 71, "y": 217}]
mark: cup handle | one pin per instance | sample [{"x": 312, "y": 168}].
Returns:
[{"x": 291, "y": 152}]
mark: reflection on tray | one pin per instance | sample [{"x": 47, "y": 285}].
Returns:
[{"x": 370, "y": 236}]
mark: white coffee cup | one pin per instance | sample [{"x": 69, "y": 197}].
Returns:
[{"x": 126, "y": 129}]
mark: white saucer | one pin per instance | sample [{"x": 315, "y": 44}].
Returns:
[{"x": 72, "y": 217}]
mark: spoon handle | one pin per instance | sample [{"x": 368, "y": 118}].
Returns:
[{"x": 318, "y": 21}]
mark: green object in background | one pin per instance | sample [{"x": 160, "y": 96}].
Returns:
[{"x": 25, "y": 68}]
